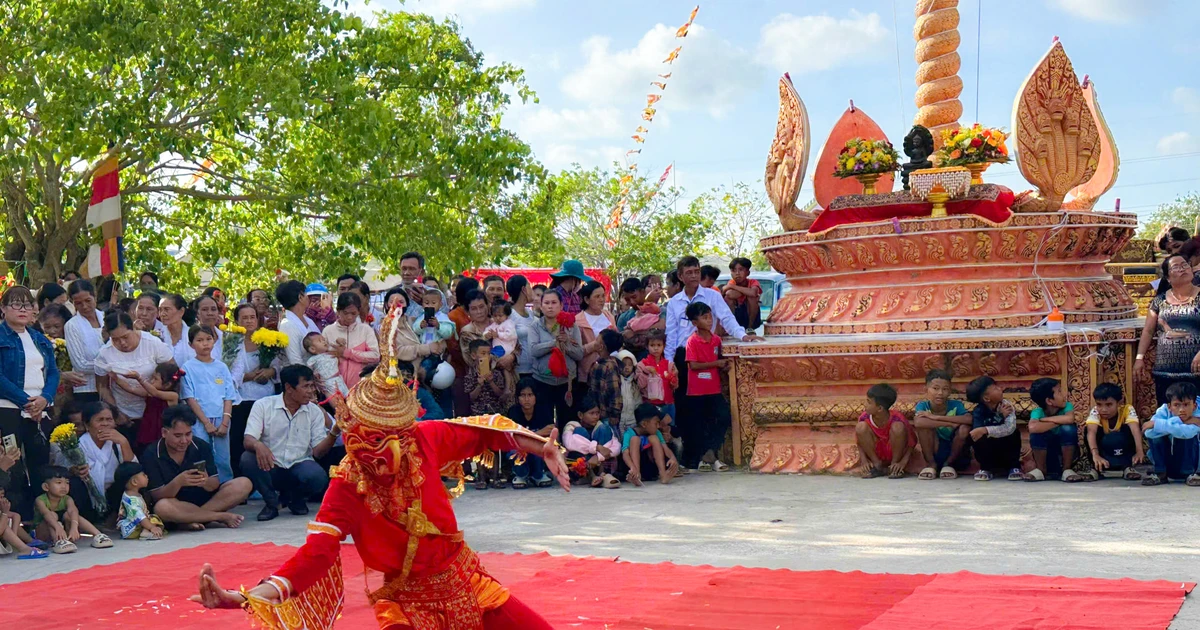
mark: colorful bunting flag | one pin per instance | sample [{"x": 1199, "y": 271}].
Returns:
[
  {"x": 638, "y": 139},
  {"x": 665, "y": 76},
  {"x": 659, "y": 84},
  {"x": 104, "y": 212},
  {"x": 673, "y": 55},
  {"x": 652, "y": 99},
  {"x": 632, "y": 151},
  {"x": 641, "y": 129},
  {"x": 665, "y": 173},
  {"x": 682, "y": 32},
  {"x": 648, "y": 113}
]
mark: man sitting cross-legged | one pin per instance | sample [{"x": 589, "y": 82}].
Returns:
[
  {"x": 183, "y": 482},
  {"x": 285, "y": 434}
]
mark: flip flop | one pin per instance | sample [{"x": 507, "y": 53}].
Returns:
[
  {"x": 39, "y": 544},
  {"x": 928, "y": 473},
  {"x": 34, "y": 554}
]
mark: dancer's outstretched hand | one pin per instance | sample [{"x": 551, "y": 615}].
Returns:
[
  {"x": 212, "y": 595},
  {"x": 555, "y": 462}
]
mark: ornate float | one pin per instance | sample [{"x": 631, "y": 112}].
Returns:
[{"x": 881, "y": 291}]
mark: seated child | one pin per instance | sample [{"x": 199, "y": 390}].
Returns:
[
  {"x": 884, "y": 436},
  {"x": 592, "y": 447},
  {"x": 540, "y": 420},
  {"x": 644, "y": 453},
  {"x": 994, "y": 434},
  {"x": 1114, "y": 434},
  {"x": 502, "y": 332},
  {"x": 1172, "y": 434},
  {"x": 436, "y": 325},
  {"x": 743, "y": 294},
  {"x": 631, "y": 394},
  {"x": 133, "y": 517},
  {"x": 658, "y": 378},
  {"x": 56, "y": 517},
  {"x": 14, "y": 537},
  {"x": 1053, "y": 436},
  {"x": 324, "y": 367},
  {"x": 943, "y": 429}
]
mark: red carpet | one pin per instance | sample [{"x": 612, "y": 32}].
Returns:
[{"x": 592, "y": 593}]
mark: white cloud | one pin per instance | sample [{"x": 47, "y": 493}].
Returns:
[
  {"x": 1112, "y": 11},
  {"x": 1178, "y": 142},
  {"x": 570, "y": 124},
  {"x": 561, "y": 156},
  {"x": 710, "y": 73},
  {"x": 811, "y": 43},
  {"x": 1187, "y": 99}
]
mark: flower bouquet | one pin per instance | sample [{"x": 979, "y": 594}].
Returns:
[
  {"x": 61, "y": 357},
  {"x": 866, "y": 160},
  {"x": 230, "y": 341},
  {"x": 975, "y": 147},
  {"x": 270, "y": 343},
  {"x": 67, "y": 441},
  {"x": 557, "y": 364}
]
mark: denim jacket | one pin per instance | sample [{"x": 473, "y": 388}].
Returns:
[{"x": 12, "y": 365}]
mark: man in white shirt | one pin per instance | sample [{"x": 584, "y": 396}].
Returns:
[
  {"x": 285, "y": 434},
  {"x": 678, "y": 326},
  {"x": 293, "y": 322}
]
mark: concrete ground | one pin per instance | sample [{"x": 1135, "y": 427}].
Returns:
[{"x": 1108, "y": 529}]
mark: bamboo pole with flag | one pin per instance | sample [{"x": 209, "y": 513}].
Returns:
[{"x": 104, "y": 212}]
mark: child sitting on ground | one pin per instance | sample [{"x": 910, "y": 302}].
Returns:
[
  {"x": 884, "y": 436},
  {"x": 994, "y": 435},
  {"x": 540, "y": 420},
  {"x": 324, "y": 366},
  {"x": 644, "y": 454},
  {"x": 502, "y": 332},
  {"x": 134, "y": 519},
  {"x": 57, "y": 518},
  {"x": 435, "y": 325},
  {"x": 631, "y": 394},
  {"x": 943, "y": 429},
  {"x": 13, "y": 537},
  {"x": 1172, "y": 434},
  {"x": 1052, "y": 432},
  {"x": 1114, "y": 434},
  {"x": 592, "y": 447}
]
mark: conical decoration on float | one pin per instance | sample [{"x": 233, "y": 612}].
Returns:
[
  {"x": 938, "y": 83},
  {"x": 1084, "y": 196},
  {"x": 787, "y": 161},
  {"x": 1058, "y": 142},
  {"x": 854, "y": 123}
]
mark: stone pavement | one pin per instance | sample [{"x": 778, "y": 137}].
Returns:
[{"x": 1106, "y": 529}]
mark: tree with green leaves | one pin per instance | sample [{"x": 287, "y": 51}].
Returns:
[
  {"x": 1183, "y": 212},
  {"x": 649, "y": 236},
  {"x": 741, "y": 217},
  {"x": 254, "y": 136}
]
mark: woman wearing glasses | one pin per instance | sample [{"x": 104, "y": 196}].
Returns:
[
  {"x": 1174, "y": 320},
  {"x": 28, "y": 381}
]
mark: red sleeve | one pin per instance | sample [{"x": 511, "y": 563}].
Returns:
[
  {"x": 451, "y": 442},
  {"x": 690, "y": 348},
  {"x": 340, "y": 510}
]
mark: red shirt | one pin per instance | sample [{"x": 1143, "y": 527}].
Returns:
[
  {"x": 703, "y": 382},
  {"x": 669, "y": 378},
  {"x": 750, "y": 284}
]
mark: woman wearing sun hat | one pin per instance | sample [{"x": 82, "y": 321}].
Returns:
[{"x": 566, "y": 282}]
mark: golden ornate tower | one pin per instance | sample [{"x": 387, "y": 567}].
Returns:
[{"x": 938, "y": 83}]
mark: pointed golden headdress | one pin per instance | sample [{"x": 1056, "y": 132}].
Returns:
[{"x": 383, "y": 400}]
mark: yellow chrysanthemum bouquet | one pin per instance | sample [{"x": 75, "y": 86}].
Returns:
[
  {"x": 67, "y": 440},
  {"x": 270, "y": 343},
  {"x": 230, "y": 341}
]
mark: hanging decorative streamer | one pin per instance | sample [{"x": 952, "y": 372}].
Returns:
[{"x": 640, "y": 134}]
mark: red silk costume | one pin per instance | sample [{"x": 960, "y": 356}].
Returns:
[{"x": 388, "y": 495}]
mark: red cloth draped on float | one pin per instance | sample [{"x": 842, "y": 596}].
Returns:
[{"x": 989, "y": 202}]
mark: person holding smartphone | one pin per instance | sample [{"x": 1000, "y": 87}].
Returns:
[{"x": 184, "y": 487}]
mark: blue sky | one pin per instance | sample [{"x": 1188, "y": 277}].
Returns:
[{"x": 591, "y": 64}]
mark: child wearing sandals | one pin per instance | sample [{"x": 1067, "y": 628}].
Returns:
[
  {"x": 884, "y": 436},
  {"x": 13, "y": 537},
  {"x": 56, "y": 517},
  {"x": 994, "y": 435},
  {"x": 943, "y": 428},
  {"x": 645, "y": 455},
  {"x": 134, "y": 519},
  {"x": 1172, "y": 435},
  {"x": 592, "y": 447},
  {"x": 1053, "y": 436},
  {"x": 1113, "y": 433}
]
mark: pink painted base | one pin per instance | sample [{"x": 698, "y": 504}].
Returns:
[{"x": 831, "y": 450}]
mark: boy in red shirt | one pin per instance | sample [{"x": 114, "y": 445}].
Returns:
[
  {"x": 743, "y": 294},
  {"x": 704, "y": 431},
  {"x": 884, "y": 436}
]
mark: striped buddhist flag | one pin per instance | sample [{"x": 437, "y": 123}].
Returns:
[{"x": 104, "y": 212}]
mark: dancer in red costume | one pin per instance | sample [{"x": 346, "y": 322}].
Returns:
[{"x": 388, "y": 495}]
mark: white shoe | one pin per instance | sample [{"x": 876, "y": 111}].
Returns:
[
  {"x": 704, "y": 467},
  {"x": 720, "y": 466}
]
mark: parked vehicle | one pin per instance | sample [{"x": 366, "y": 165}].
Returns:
[{"x": 774, "y": 286}]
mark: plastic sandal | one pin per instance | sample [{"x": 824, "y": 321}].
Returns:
[
  {"x": 101, "y": 541},
  {"x": 545, "y": 482},
  {"x": 983, "y": 475},
  {"x": 64, "y": 546},
  {"x": 1015, "y": 475},
  {"x": 610, "y": 482},
  {"x": 927, "y": 474},
  {"x": 1193, "y": 480},
  {"x": 948, "y": 472},
  {"x": 1034, "y": 475},
  {"x": 35, "y": 554},
  {"x": 1152, "y": 479},
  {"x": 519, "y": 483},
  {"x": 39, "y": 544},
  {"x": 720, "y": 466},
  {"x": 1070, "y": 476},
  {"x": 1131, "y": 474}
]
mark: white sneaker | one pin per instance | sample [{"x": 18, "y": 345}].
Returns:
[{"x": 720, "y": 466}]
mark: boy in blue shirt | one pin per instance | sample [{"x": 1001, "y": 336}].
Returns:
[
  {"x": 645, "y": 455},
  {"x": 943, "y": 428},
  {"x": 1053, "y": 436},
  {"x": 1172, "y": 434}
]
